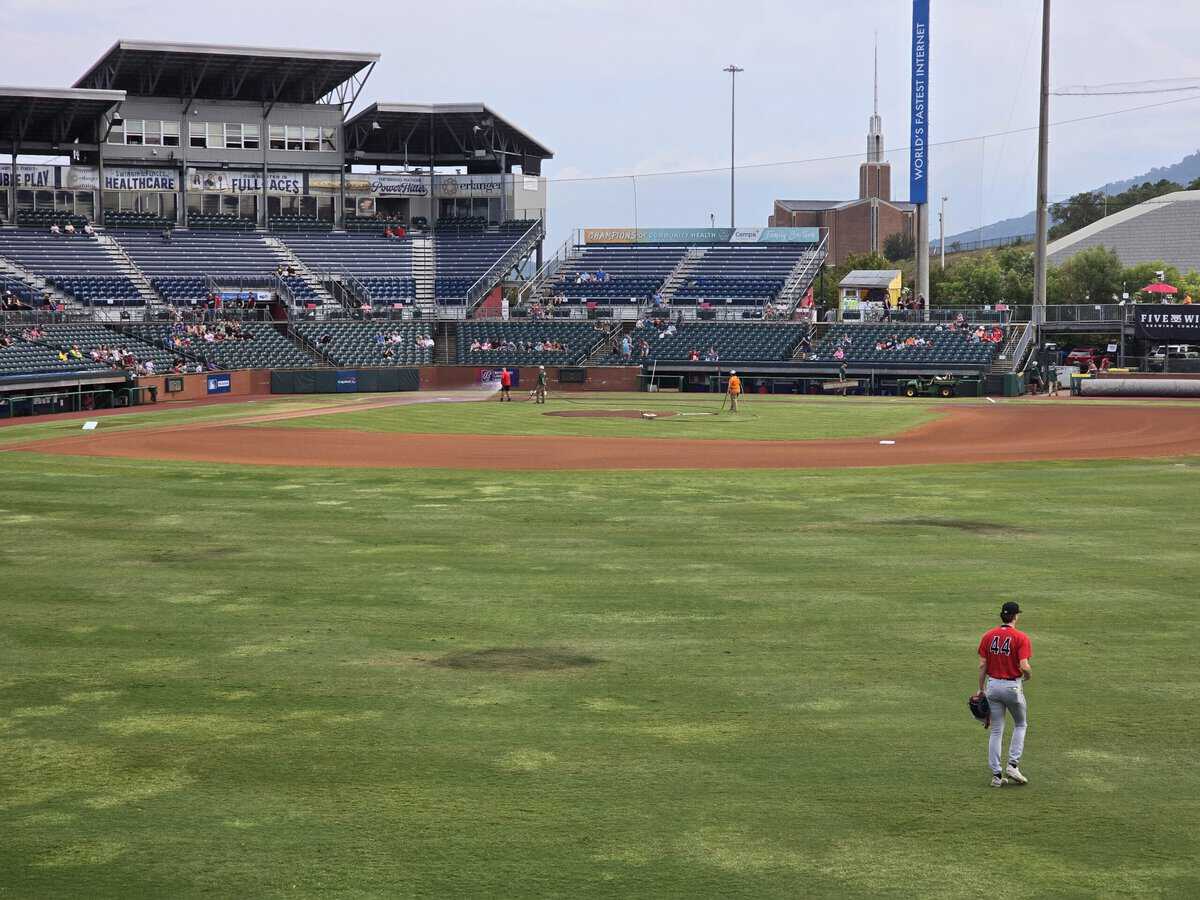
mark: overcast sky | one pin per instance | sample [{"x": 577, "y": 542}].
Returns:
[{"x": 623, "y": 87}]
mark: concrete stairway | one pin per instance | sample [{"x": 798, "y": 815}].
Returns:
[
  {"x": 129, "y": 268},
  {"x": 682, "y": 272},
  {"x": 424, "y": 271},
  {"x": 289, "y": 258}
]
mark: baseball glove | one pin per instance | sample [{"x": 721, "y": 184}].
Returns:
[{"x": 978, "y": 704}]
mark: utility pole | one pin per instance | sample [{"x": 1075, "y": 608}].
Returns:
[
  {"x": 733, "y": 72},
  {"x": 1039, "y": 259},
  {"x": 942, "y": 231}
]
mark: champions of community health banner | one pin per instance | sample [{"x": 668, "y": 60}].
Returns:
[
  {"x": 701, "y": 235},
  {"x": 918, "y": 176},
  {"x": 222, "y": 182}
]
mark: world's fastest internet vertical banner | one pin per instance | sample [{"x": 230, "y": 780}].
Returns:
[{"x": 918, "y": 180}]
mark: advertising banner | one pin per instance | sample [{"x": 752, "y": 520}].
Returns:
[
  {"x": 223, "y": 182},
  {"x": 918, "y": 180},
  {"x": 490, "y": 378},
  {"x": 218, "y": 384},
  {"x": 347, "y": 382},
  {"x": 380, "y": 184},
  {"x": 123, "y": 179},
  {"x": 701, "y": 235},
  {"x": 81, "y": 178},
  {"x": 468, "y": 185},
  {"x": 28, "y": 177},
  {"x": 1164, "y": 322}
]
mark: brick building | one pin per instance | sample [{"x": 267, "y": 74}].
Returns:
[{"x": 861, "y": 225}]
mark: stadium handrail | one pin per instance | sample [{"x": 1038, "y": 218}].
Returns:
[
  {"x": 477, "y": 291},
  {"x": 550, "y": 268},
  {"x": 812, "y": 266}
]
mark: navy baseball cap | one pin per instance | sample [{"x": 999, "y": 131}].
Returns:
[{"x": 1009, "y": 609}]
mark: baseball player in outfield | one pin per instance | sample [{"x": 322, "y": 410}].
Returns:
[{"x": 1004, "y": 654}]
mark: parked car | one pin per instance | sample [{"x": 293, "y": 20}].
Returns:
[
  {"x": 1168, "y": 353},
  {"x": 1082, "y": 356}
]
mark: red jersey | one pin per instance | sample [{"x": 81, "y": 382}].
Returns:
[
  {"x": 505, "y": 378},
  {"x": 1004, "y": 647}
]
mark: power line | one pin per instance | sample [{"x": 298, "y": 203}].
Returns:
[
  {"x": 1130, "y": 88},
  {"x": 857, "y": 155}
]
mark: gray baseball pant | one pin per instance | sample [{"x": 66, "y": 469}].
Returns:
[{"x": 1002, "y": 696}]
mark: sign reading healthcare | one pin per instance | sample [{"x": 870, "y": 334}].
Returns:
[
  {"x": 918, "y": 181},
  {"x": 141, "y": 180}
]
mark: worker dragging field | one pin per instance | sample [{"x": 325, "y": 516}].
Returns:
[{"x": 733, "y": 391}]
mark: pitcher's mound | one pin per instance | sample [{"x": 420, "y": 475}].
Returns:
[{"x": 609, "y": 414}]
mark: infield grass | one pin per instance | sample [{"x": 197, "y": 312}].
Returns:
[
  {"x": 296, "y": 683},
  {"x": 694, "y": 416}
]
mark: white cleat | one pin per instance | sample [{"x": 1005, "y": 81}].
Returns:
[
  {"x": 997, "y": 781},
  {"x": 1014, "y": 774}
]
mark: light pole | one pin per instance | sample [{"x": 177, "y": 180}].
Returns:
[
  {"x": 942, "y": 232},
  {"x": 733, "y": 72}
]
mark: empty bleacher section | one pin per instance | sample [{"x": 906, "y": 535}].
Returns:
[
  {"x": 518, "y": 343},
  {"x": 77, "y": 265},
  {"x": 383, "y": 265},
  {"x": 629, "y": 274},
  {"x": 465, "y": 252},
  {"x": 44, "y": 218},
  {"x": 742, "y": 275},
  {"x": 179, "y": 268},
  {"x": 129, "y": 219},
  {"x": 731, "y": 341},
  {"x": 899, "y": 344},
  {"x": 219, "y": 222},
  {"x": 241, "y": 346},
  {"x": 367, "y": 344}
]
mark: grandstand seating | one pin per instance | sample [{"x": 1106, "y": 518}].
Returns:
[
  {"x": 634, "y": 273},
  {"x": 22, "y": 289},
  {"x": 353, "y": 254},
  {"x": 265, "y": 350},
  {"x": 218, "y": 253},
  {"x": 44, "y": 218},
  {"x": 181, "y": 289},
  {"x": 743, "y": 274},
  {"x": 946, "y": 347},
  {"x": 220, "y": 222},
  {"x": 389, "y": 288},
  {"x": 88, "y": 337},
  {"x": 358, "y": 344},
  {"x": 372, "y": 224},
  {"x": 77, "y": 265},
  {"x": 299, "y": 223},
  {"x": 578, "y": 339},
  {"x": 463, "y": 255},
  {"x": 129, "y": 219},
  {"x": 732, "y": 341},
  {"x": 31, "y": 358}
]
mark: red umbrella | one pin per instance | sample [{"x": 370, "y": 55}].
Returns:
[{"x": 1159, "y": 288}]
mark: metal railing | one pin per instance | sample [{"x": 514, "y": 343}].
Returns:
[
  {"x": 477, "y": 291},
  {"x": 549, "y": 269},
  {"x": 812, "y": 266}
]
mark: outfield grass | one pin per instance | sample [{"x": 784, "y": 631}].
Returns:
[
  {"x": 284, "y": 683},
  {"x": 696, "y": 416}
]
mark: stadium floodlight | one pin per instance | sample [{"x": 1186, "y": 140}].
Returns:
[{"x": 733, "y": 72}]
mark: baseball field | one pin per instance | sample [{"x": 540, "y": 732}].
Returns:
[{"x": 370, "y": 647}]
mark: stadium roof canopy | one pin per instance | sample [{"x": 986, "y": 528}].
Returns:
[
  {"x": 49, "y": 118},
  {"x": 1165, "y": 229},
  {"x": 448, "y": 134},
  {"x": 230, "y": 72}
]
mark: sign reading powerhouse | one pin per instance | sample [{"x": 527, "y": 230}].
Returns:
[
  {"x": 1168, "y": 323},
  {"x": 214, "y": 182}
]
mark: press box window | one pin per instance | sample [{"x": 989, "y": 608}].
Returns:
[
  {"x": 233, "y": 136},
  {"x": 295, "y": 137},
  {"x": 153, "y": 134},
  {"x": 116, "y": 134},
  {"x": 327, "y": 139},
  {"x": 170, "y": 134},
  {"x": 312, "y": 138},
  {"x": 249, "y": 137},
  {"x": 278, "y": 141},
  {"x": 134, "y": 131},
  {"x": 197, "y": 134}
]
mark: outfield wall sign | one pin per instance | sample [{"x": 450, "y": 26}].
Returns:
[
  {"x": 219, "y": 384},
  {"x": 918, "y": 179},
  {"x": 1163, "y": 322},
  {"x": 701, "y": 235}
]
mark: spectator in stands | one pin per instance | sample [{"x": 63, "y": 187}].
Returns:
[
  {"x": 626, "y": 348},
  {"x": 54, "y": 229},
  {"x": 839, "y": 354},
  {"x": 601, "y": 276},
  {"x": 69, "y": 229},
  {"x": 89, "y": 230},
  {"x": 166, "y": 235},
  {"x": 1105, "y": 363},
  {"x": 643, "y": 348},
  {"x": 712, "y": 355},
  {"x": 693, "y": 356}
]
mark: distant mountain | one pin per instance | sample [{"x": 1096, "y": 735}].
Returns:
[{"x": 1183, "y": 172}]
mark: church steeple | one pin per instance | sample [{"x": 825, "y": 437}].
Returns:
[{"x": 875, "y": 135}]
